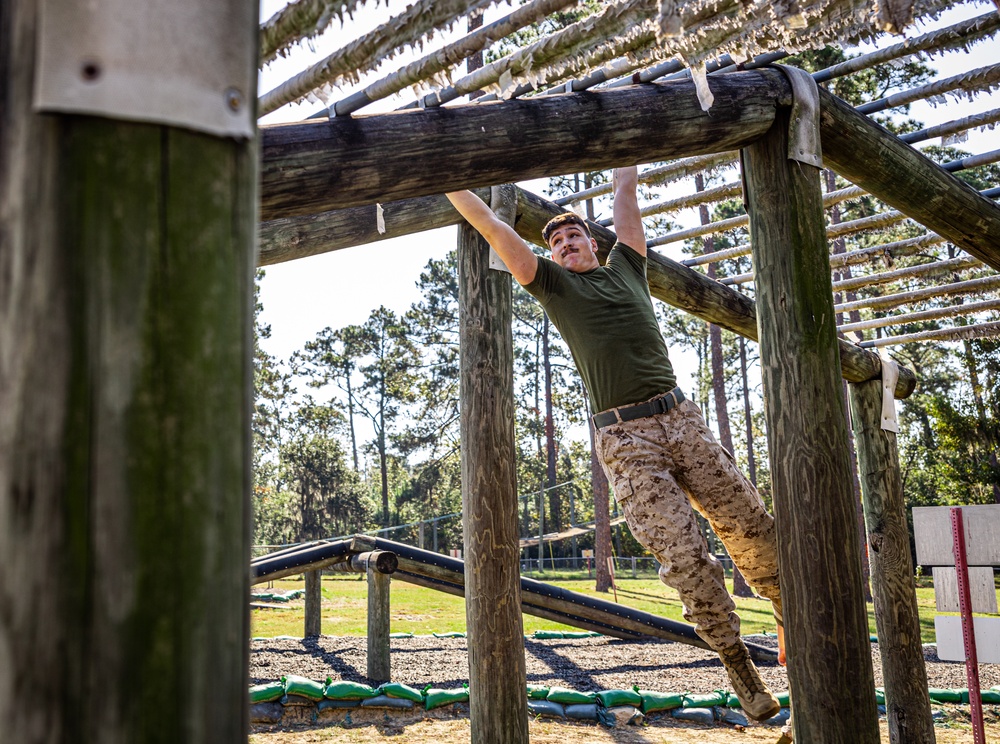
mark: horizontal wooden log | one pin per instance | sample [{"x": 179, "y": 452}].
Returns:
[
  {"x": 289, "y": 238},
  {"x": 868, "y": 155},
  {"x": 345, "y": 162}
]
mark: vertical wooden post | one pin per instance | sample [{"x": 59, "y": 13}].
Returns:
[
  {"x": 314, "y": 602},
  {"x": 126, "y": 274},
  {"x": 829, "y": 654},
  {"x": 378, "y": 625},
  {"x": 908, "y": 707},
  {"x": 499, "y": 709}
]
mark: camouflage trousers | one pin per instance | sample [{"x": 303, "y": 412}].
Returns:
[{"x": 665, "y": 467}]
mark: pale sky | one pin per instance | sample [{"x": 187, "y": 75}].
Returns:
[{"x": 302, "y": 297}]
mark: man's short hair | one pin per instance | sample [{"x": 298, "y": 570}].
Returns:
[{"x": 566, "y": 218}]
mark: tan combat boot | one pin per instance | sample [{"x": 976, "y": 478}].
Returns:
[{"x": 756, "y": 698}]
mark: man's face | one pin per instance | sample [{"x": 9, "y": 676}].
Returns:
[{"x": 572, "y": 249}]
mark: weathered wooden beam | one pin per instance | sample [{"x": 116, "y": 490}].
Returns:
[
  {"x": 908, "y": 708},
  {"x": 866, "y": 154},
  {"x": 829, "y": 656},
  {"x": 352, "y": 161},
  {"x": 126, "y": 276},
  {"x": 497, "y": 676},
  {"x": 288, "y": 238}
]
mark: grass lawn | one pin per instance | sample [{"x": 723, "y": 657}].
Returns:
[{"x": 424, "y": 611}]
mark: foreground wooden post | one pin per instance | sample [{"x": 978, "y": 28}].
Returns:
[
  {"x": 126, "y": 274},
  {"x": 314, "y": 601},
  {"x": 908, "y": 707},
  {"x": 829, "y": 655},
  {"x": 499, "y": 709}
]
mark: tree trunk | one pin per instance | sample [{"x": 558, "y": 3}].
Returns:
[
  {"x": 555, "y": 501},
  {"x": 829, "y": 654},
  {"x": 126, "y": 291},
  {"x": 489, "y": 498}
]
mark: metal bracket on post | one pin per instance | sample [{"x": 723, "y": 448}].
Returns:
[
  {"x": 803, "y": 130},
  {"x": 174, "y": 62},
  {"x": 503, "y": 202},
  {"x": 890, "y": 374}
]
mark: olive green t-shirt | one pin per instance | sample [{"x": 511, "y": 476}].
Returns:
[{"x": 606, "y": 318}]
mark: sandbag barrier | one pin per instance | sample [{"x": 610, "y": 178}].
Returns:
[{"x": 270, "y": 701}]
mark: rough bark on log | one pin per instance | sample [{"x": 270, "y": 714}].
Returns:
[
  {"x": 352, "y": 161},
  {"x": 829, "y": 655}
]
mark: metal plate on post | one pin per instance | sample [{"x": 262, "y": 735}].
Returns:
[
  {"x": 932, "y": 533},
  {"x": 185, "y": 63},
  {"x": 982, "y": 589},
  {"x": 950, "y": 641},
  {"x": 803, "y": 129}
]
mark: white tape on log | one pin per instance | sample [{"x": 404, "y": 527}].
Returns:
[{"x": 890, "y": 375}]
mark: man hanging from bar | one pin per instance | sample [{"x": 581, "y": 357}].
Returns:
[{"x": 659, "y": 455}]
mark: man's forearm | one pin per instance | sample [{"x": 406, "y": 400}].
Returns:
[{"x": 515, "y": 254}]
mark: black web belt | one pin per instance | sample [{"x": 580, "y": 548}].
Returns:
[{"x": 640, "y": 410}]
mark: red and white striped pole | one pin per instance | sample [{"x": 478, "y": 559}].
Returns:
[{"x": 968, "y": 625}]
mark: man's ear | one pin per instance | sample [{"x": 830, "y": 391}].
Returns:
[{"x": 593, "y": 245}]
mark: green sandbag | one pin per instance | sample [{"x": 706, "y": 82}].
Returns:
[
  {"x": 266, "y": 692},
  {"x": 401, "y": 635},
  {"x": 612, "y": 698},
  {"x": 547, "y": 635},
  {"x": 879, "y": 696},
  {"x": 452, "y": 634},
  {"x": 706, "y": 700},
  {"x": 537, "y": 692},
  {"x": 344, "y": 690},
  {"x": 991, "y": 696},
  {"x": 296, "y": 685},
  {"x": 569, "y": 697},
  {"x": 945, "y": 695},
  {"x": 399, "y": 690},
  {"x": 580, "y": 634},
  {"x": 434, "y": 698},
  {"x": 582, "y": 712},
  {"x": 653, "y": 701},
  {"x": 546, "y": 709},
  {"x": 384, "y": 701}
]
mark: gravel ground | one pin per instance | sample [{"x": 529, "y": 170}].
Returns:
[{"x": 581, "y": 664}]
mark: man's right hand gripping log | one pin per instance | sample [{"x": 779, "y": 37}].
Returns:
[{"x": 659, "y": 455}]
